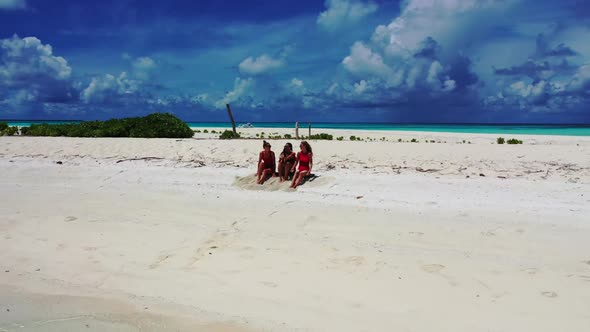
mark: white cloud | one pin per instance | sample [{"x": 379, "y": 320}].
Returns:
[
  {"x": 13, "y": 4},
  {"x": 340, "y": 12},
  {"x": 360, "y": 87},
  {"x": 260, "y": 65},
  {"x": 363, "y": 61},
  {"x": 451, "y": 22},
  {"x": 240, "y": 88},
  {"x": 296, "y": 87},
  {"x": 108, "y": 88},
  {"x": 201, "y": 98},
  {"x": 297, "y": 82},
  {"x": 29, "y": 71},
  {"x": 143, "y": 67},
  {"x": 581, "y": 80},
  {"x": 30, "y": 56},
  {"x": 418, "y": 49}
]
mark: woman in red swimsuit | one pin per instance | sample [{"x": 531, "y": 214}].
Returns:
[
  {"x": 305, "y": 162},
  {"x": 266, "y": 163}
]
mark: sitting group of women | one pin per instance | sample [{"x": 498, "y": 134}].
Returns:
[{"x": 291, "y": 165}]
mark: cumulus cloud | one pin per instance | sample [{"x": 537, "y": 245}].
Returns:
[
  {"x": 241, "y": 86},
  {"x": 109, "y": 89},
  {"x": 545, "y": 50},
  {"x": 450, "y": 22},
  {"x": 580, "y": 82},
  {"x": 260, "y": 65},
  {"x": 340, "y": 12},
  {"x": 422, "y": 54},
  {"x": 143, "y": 67},
  {"x": 30, "y": 72},
  {"x": 123, "y": 88},
  {"x": 363, "y": 61},
  {"x": 13, "y": 4}
]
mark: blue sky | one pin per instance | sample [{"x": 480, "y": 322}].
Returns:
[{"x": 515, "y": 61}]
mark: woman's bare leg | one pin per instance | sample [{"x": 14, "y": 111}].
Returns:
[
  {"x": 286, "y": 168},
  {"x": 260, "y": 169},
  {"x": 265, "y": 173},
  {"x": 300, "y": 177},
  {"x": 294, "y": 179},
  {"x": 281, "y": 170}
]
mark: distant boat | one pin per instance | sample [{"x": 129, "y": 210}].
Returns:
[{"x": 246, "y": 125}]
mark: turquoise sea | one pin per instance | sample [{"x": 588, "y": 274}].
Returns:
[{"x": 516, "y": 129}]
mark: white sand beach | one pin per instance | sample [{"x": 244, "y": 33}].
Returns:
[{"x": 101, "y": 234}]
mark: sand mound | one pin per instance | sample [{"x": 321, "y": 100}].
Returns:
[{"x": 274, "y": 184}]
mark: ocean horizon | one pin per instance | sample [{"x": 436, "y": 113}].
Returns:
[{"x": 515, "y": 129}]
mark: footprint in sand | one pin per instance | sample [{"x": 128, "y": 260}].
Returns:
[
  {"x": 71, "y": 218},
  {"x": 159, "y": 261},
  {"x": 433, "y": 268},
  {"x": 269, "y": 284},
  {"x": 549, "y": 294}
]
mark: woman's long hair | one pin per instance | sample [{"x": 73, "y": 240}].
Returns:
[
  {"x": 285, "y": 153},
  {"x": 307, "y": 146}
]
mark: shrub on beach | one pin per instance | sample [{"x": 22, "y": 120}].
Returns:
[
  {"x": 514, "y": 141},
  {"x": 287, "y": 136},
  {"x": 322, "y": 136},
  {"x": 228, "y": 134},
  {"x": 353, "y": 138},
  {"x": 3, "y": 126},
  {"x": 500, "y": 140},
  {"x": 414, "y": 140},
  {"x": 8, "y": 131},
  {"x": 341, "y": 138},
  {"x": 155, "y": 125}
]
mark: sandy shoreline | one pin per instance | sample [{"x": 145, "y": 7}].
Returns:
[{"x": 374, "y": 244}]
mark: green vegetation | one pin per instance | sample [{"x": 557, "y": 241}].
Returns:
[
  {"x": 197, "y": 131},
  {"x": 500, "y": 140},
  {"x": 287, "y": 136},
  {"x": 321, "y": 136},
  {"x": 5, "y": 130},
  {"x": 341, "y": 138},
  {"x": 206, "y": 131},
  {"x": 414, "y": 140},
  {"x": 399, "y": 140},
  {"x": 353, "y": 138},
  {"x": 155, "y": 125},
  {"x": 514, "y": 141},
  {"x": 229, "y": 134}
]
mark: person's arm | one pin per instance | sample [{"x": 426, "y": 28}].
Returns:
[
  {"x": 291, "y": 158},
  {"x": 259, "y": 158},
  {"x": 274, "y": 163},
  {"x": 310, "y": 162},
  {"x": 295, "y": 163}
]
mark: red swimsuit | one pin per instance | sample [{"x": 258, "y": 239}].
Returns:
[
  {"x": 269, "y": 160},
  {"x": 303, "y": 161}
]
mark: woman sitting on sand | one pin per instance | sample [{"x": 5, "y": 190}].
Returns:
[
  {"x": 286, "y": 161},
  {"x": 266, "y": 163},
  {"x": 305, "y": 162}
]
